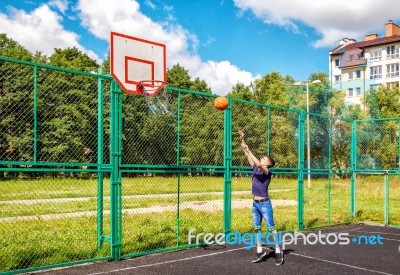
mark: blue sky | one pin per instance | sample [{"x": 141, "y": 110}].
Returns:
[{"x": 220, "y": 41}]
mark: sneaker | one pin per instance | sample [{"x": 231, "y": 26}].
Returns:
[
  {"x": 279, "y": 258},
  {"x": 259, "y": 257}
]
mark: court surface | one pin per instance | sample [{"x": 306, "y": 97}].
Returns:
[{"x": 355, "y": 258}]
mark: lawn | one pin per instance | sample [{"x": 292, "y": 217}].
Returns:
[{"x": 53, "y": 220}]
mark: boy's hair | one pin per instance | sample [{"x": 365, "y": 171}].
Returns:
[{"x": 271, "y": 160}]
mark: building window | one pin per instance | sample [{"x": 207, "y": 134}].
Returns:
[
  {"x": 350, "y": 91},
  {"x": 376, "y": 56},
  {"x": 358, "y": 91},
  {"x": 351, "y": 75},
  {"x": 351, "y": 57},
  {"x": 358, "y": 74},
  {"x": 374, "y": 87},
  {"x": 392, "y": 52},
  {"x": 337, "y": 62},
  {"x": 392, "y": 70},
  {"x": 337, "y": 78},
  {"x": 375, "y": 72}
]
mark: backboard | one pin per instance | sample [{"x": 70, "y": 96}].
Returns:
[{"x": 134, "y": 59}]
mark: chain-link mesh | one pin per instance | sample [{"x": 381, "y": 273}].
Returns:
[
  {"x": 159, "y": 210},
  {"x": 327, "y": 182},
  {"x": 149, "y": 208},
  {"x": 394, "y": 200},
  {"x": 67, "y": 111},
  {"x": 16, "y": 112},
  {"x": 48, "y": 218},
  {"x": 378, "y": 145},
  {"x": 341, "y": 145},
  {"x": 49, "y": 180},
  {"x": 378, "y": 154},
  {"x": 147, "y": 138},
  {"x": 268, "y": 131},
  {"x": 201, "y": 131},
  {"x": 61, "y": 166},
  {"x": 370, "y": 200}
]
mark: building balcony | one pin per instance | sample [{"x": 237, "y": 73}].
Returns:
[
  {"x": 392, "y": 56},
  {"x": 392, "y": 74},
  {"x": 375, "y": 76},
  {"x": 375, "y": 59},
  {"x": 353, "y": 63}
]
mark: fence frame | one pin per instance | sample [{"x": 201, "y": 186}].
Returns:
[{"x": 116, "y": 167}]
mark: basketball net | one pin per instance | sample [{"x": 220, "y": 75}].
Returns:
[{"x": 156, "y": 95}]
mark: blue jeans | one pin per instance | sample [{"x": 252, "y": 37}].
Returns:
[{"x": 263, "y": 210}]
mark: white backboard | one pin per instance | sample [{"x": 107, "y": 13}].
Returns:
[{"x": 134, "y": 59}]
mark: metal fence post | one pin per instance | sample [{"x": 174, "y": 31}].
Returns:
[
  {"x": 35, "y": 111},
  {"x": 178, "y": 161},
  {"x": 386, "y": 196},
  {"x": 100, "y": 175},
  {"x": 227, "y": 167},
  {"x": 300, "y": 177},
  {"x": 115, "y": 181},
  {"x": 330, "y": 169},
  {"x": 353, "y": 170}
]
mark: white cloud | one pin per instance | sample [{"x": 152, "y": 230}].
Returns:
[
  {"x": 150, "y": 4},
  {"x": 223, "y": 75},
  {"x": 41, "y": 30},
  {"x": 61, "y": 5},
  {"x": 124, "y": 16},
  {"x": 332, "y": 19}
]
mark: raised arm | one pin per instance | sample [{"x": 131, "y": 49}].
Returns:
[
  {"x": 253, "y": 160},
  {"x": 245, "y": 148}
]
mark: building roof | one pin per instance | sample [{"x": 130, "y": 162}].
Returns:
[
  {"x": 352, "y": 57},
  {"x": 364, "y": 44}
]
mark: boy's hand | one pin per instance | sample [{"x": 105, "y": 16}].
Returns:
[
  {"x": 241, "y": 135},
  {"x": 245, "y": 147}
]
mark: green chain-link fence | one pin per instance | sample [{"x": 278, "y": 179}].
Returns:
[{"x": 87, "y": 173}]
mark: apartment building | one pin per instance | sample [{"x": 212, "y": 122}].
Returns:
[{"x": 357, "y": 67}]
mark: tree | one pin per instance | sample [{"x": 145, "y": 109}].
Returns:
[
  {"x": 12, "y": 49},
  {"x": 67, "y": 108},
  {"x": 73, "y": 58},
  {"x": 241, "y": 91},
  {"x": 200, "y": 85},
  {"x": 372, "y": 102},
  {"x": 178, "y": 77},
  {"x": 271, "y": 89},
  {"x": 16, "y": 104},
  {"x": 389, "y": 102}
]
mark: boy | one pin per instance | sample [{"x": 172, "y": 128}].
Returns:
[{"x": 262, "y": 207}]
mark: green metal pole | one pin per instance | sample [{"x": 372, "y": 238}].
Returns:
[
  {"x": 330, "y": 169},
  {"x": 386, "y": 187},
  {"x": 120, "y": 131},
  {"x": 269, "y": 131},
  {"x": 100, "y": 175},
  {"x": 353, "y": 170},
  {"x": 35, "y": 113},
  {"x": 227, "y": 167},
  {"x": 115, "y": 181},
  {"x": 398, "y": 143},
  {"x": 178, "y": 158},
  {"x": 300, "y": 177}
]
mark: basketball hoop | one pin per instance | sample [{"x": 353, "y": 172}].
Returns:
[
  {"x": 150, "y": 87},
  {"x": 156, "y": 95}
]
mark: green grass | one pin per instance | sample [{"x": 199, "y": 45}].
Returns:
[{"x": 42, "y": 242}]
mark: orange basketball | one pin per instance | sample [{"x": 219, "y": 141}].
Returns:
[{"x": 221, "y": 103}]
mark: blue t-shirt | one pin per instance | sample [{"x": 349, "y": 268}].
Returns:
[{"x": 260, "y": 182}]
